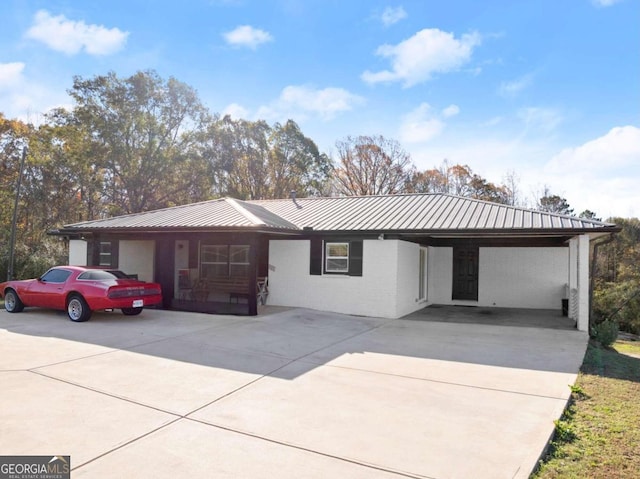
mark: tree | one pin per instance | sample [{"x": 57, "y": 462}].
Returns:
[
  {"x": 553, "y": 203},
  {"x": 252, "y": 160},
  {"x": 372, "y": 165},
  {"x": 142, "y": 131},
  {"x": 458, "y": 180},
  {"x": 589, "y": 215},
  {"x": 295, "y": 163}
]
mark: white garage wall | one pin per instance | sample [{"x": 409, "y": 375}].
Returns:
[
  {"x": 508, "y": 277},
  {"x": 381, "y": 291},
  {"x": 77, "y": 253},
  {"x": 137, "y": 257}
]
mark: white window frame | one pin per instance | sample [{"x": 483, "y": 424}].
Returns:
[{"x": 328, "y": 257}]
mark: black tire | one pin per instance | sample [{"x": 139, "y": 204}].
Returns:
[
  {"x": 77, "y": 309},
  {"x": 12, "y": 302},
  {"x": 131, "y": 311}
]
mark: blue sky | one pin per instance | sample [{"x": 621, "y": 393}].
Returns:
[{"x": 547, "y": 89}]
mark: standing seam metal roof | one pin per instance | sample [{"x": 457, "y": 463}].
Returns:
[{"x": 410, "y": 212}]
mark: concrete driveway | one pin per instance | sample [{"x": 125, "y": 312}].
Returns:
[{"x": 293, "y": 394}]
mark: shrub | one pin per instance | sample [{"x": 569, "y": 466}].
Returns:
[
  {"x": 619, "y": 302},
  {"x": 605, "y": 332}
]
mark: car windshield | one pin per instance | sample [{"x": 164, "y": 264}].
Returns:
[{"x": 97, "y": 275}]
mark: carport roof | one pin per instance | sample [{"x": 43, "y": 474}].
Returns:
[{"x": 419, "y": 213}]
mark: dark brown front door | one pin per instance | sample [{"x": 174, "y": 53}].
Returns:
[{"x": 465, "y": 273}]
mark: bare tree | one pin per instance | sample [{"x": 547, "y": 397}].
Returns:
[{"x": 372, "y": 165}]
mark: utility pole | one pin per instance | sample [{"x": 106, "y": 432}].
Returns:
[{"x": 12, "y": 241}]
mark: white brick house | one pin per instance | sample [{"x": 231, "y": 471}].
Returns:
[{"x": 383, "y": 256}]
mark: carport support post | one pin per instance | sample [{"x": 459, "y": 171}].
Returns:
[
  {"x": 253, "y": 276},
  {"x": 579, "y": 280}
]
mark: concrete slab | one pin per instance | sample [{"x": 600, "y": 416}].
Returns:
[
  {"x": 296, "y": 390},
  {"x": 526, "y": 360},
  {"x": 171, "y": 375},
  {"x": 192, "y": 449},
  {"x": 410, "y": 426},
  {"x": 291, "y": 334},
  {"x": 21, "y": 351},
  {"x": 41, "y": 416},
  {"x": 526, "y": 318}
]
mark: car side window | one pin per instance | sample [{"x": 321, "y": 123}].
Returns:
[{"x": 56, "y": 276}]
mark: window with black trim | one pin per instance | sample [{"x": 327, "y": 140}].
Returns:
[{"x": 336, "y": 258}]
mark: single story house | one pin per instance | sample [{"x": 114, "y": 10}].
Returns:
[{"x": 383, "y": 256}]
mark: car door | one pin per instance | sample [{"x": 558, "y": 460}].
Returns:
[{"x": 48, "y": 291}]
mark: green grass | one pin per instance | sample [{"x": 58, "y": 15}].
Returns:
[
  {"x": 598, "y": 436},
  {"x": 628, "y": 347}
]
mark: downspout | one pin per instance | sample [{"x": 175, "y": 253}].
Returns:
[{"x": 592, "y": 281}]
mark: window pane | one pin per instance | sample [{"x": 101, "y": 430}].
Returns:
[
  {"x": 56, "y": 276},
  {"x": 337, "y": 249},
  {"x": 214, "y": 253},
  {"x": 337, "y": 265},
  {"x": 239, "y": 253},
  {"x": 213, "y": 270},
  {"x": 239, "y": 270},
  {"x": 105, "y": 253}
]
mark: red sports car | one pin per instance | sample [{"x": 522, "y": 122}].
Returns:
[{"x": 80, "y": 291}]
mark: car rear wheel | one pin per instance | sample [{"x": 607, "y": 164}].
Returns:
[
  {"x": 12, "y": 303},
  {"x": 131, "y": 311},
  {"x": 78, "y": 309}
]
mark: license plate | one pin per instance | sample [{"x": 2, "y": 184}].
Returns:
[{"x": 138, "y": 303}]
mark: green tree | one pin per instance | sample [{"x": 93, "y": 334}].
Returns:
[
  {"x": 143, "y": 134},
  {"x": 551, "y": 203},
  {"x": 252, "y": 160}
]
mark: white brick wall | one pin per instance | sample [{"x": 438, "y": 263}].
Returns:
[
  {"x": 381, "y": 291},
  {"x": 508, "y": 277}
]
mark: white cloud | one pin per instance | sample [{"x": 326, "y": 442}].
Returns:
[
  {"x": 10, "y": 74},
  {"x": 427, "y": 52},
  {"x": 247, "y": 36},
  {"x": 392, "y": 15},
  {"x": 602, "y": 174},
  {"x": 538, "y": 119},
  {"x": 235, "y": 111},
  {"x": 70, "y": 37},
  {"x": 605, "y": 3},
  {"x": 513, "y": 88},
  {"x": 618, "y": 149},
  {"x": 420, "y": 125},
  {"x": 301, "y": 101},
  {"x": 451, "y": 110}
]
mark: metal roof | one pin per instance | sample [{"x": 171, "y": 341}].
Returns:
[
  {"x": 220, "y": 213},
  {"x": 427, "y": 212},
  {"x": 413, "y": 212}
]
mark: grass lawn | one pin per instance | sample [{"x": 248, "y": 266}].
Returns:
[{"x": 599, "y": 434}]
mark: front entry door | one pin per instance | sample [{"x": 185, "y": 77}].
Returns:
[{"x": 465, "y": 273}]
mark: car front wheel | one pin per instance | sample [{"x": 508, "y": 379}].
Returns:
[
  {"x": 131, "y": 311},
  {"x": 12, "y": 303},
  {"x": 78, "y": 309}
]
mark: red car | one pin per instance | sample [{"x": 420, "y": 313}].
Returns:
[{"x": 80, "y": 291}]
